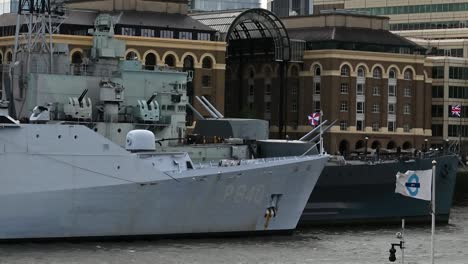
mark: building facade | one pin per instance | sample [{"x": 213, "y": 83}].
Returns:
[
  {"x": 285, "y": 8},
  {"x": 376, "y": 85},
  {"x": 218, "y": 5},
  {"x": 8, "y": 6},
  {"x": 407, "y": 15}
]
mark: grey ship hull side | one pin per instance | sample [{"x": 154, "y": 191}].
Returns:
[
  {"x": 366, "y": 193},
  {"x": 67, "y": 181}
]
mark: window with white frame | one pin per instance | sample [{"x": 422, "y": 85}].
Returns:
[
  {"x": 360, "y": 107},
  {"x": 344, "y": 88},
  {"x": 407, "y": 109},
  {"x": 407, "y": 92},
  {"x": 361, "y": 72},
  {"x": 345, "y": 71},
  {"x": 147, "y": 32},
  {"x": 268, "y": 107},
  {"x": 391, "y": 126},
  {"x": 359, "y": 125},
  {"x": 128, "y": 31},
  {"x": 185, "y": 35},
  {"x": 377, "y": 73},
  {"x": 343, "y": 125},
  {"x": 376, "y": 126},
  {"x": 391, "y": 90},
  {"x": 204, "y": 36},
  {"x": 344, "y": 106},
  {"x": 392, "y": 74},
  {"x": 268, "y": 89},
  {"x": 376, "y": 91},
  {"x": 376, "y": 108},
  {"x": 317, "y": 88},
  {"x": 391, "y": 109},
  {"x": 251, "y": 90},
  {"x": 406, "y": 128},
  {"x": 317, "y": 106},
  {"x": 166, "y": 33},
  {"x": 408, "y": 75},
  {"x": 294, "y": 105},
  {"x": 360, "y": 89}
]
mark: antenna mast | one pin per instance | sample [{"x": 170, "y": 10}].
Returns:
[{"x": 36, "y": 22}]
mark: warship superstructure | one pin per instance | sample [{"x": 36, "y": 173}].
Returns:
[{"x": 84, "y": 161}]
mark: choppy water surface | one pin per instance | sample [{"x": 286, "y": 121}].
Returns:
[{"x": 314, "y": 245}]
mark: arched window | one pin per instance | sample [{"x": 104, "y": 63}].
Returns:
[
  {"x": 377, "y": 73},
  {"x": 376, "y": 144},
  {"x": 361, "y": 72},
  {"x": 345, "y": 71},
  {"x": 1, "y": 59},
  {"x": 9, "y": 57},
  {"x": 407, "y": 145},
  {"x": 391, "y": 145},
  {"x": 150, "y": 61},
  {"x": 77, "y": 57},
  {"x": 251, "y": 74},
  {"x": 359, "y": 145},
  {"x": 392, "y": 74},
  {"x": 131, "y": 56},
  {"x": 170, "y": 60},
  {"x": 317, "y": 70},
  {"x": 207, "y": 63},
  {"x": 408, "y": 75},
  {"x": 344, "y": 147},
  {"x": 188, "y": 63}
]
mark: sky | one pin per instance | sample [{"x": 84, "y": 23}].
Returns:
[{"x": 264, "y": 3}]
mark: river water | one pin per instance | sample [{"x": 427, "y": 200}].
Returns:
[{"x": 356, "y": 244}]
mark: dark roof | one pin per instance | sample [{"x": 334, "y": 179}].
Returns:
[
  {"x": 355, "y": 35},
  {"x": 151, "y": 19}
]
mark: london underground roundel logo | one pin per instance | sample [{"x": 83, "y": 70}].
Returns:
[{"x": 413, "y": 185}]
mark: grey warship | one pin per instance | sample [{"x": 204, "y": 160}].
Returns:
[{"x": 67, "y": 174}]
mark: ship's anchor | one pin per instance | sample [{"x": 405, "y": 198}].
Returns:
[{"x": 271, "y": 211}]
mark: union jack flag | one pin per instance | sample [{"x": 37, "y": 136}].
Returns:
[
  {"x": 456, "y": 110},
  {"x": 314, "y": 119}
]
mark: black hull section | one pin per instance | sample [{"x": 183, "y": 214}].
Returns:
[{"x": 366, "y": 194}]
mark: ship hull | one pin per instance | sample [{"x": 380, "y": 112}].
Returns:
[
  {"x": 365, "y": 193},
  {"x": 66, "y": 181}
]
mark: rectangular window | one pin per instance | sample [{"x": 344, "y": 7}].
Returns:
[
  {"x": 407, "y": 92},
  {"x": 166, "y": 34},
  {"x": 294, "y": 105},
  {"x": 407, "y": 109},
  {"x": 376, "y": 91},
  {"x": 146, "y": 32},
  {"x": 206, "y": 81},
  {"x": 128, "y": 31},
  {"x": 437, "y": 130},
  {"x": 437, "y": 91},
  {"x": 438, "y": 72},
  {"x": 203, "y": 36},
  {"x": 391, "y": 90},
  {"x": 318, "y": 107},
  {"x": 360, "y": 89},
  {"x": 360, "y": 107},
  {"x": 391, "y": 126},
  {"x": 251, "y": 90},
  {"x": 437, "y": 111},
  {"x": 406, "y": 128},
  {"x": 185, "y": 35},
  {"x": 268, "y": 89},
  {"x": 317, "y": 88},
  {"x": 376, "y": 108},
  {"x": 344, "y": 88},
  {"x": 343, "y": 125},
  {"x": 268, "y": 107},
  {"x": 391, "y": 109},
  {"x": 359, "y": 125},
  {"x": 376, "y": 126},
  {"x": 344, "y": 106}
]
